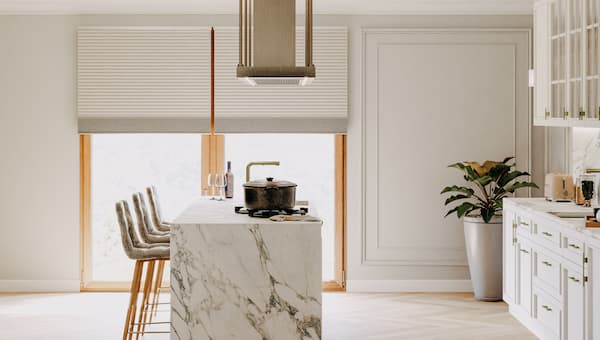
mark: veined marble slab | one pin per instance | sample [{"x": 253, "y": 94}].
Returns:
[{"x": 247, "y": 279}]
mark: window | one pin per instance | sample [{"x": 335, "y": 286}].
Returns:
[
  {"x": 114, "y": 166},
  {"x": 307, "y": 160},
  {"x": 122, "y": 164}
]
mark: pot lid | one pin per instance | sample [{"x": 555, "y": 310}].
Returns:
[{"x": 269, "y": 183}]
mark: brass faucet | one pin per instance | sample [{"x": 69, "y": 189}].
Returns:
[{"x": 275, "y": 163}]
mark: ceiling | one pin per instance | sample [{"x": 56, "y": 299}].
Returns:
[{"x": 231, "y": 6}]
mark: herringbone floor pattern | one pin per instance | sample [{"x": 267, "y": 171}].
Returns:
[
  {"x": 418, "y": 316},
  {"x": 99, "y": 316}
]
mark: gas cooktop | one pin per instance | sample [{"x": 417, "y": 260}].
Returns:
[{"x": 266, "y": 213}]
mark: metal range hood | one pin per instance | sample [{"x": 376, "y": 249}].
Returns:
[{"x": 267, "y": 43}]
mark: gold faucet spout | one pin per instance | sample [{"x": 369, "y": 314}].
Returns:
[{"x": 251, "y": 164}]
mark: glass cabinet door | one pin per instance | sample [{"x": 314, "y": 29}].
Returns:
[
  {"x": 558, "y": 72},
  {"x": 575, "y": 36},
  {"x": 592, "y": 57}
]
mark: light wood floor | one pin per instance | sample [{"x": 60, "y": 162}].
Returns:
[{"x": 99, "y": 316}]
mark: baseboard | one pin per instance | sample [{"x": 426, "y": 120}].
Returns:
[
  {"x": 39, "y": 286},
  {"x": 394, "y": 286}
]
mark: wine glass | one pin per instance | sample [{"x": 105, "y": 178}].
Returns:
[
  {"x": 221, "y": 183},
  {"x": 210, "y": 183},
  {"x": 587, "y": 189}
]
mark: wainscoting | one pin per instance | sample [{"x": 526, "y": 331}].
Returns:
[{"x": 421, "y": 90}]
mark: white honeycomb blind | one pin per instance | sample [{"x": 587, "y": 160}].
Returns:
[{"x": 163, "y": 74}]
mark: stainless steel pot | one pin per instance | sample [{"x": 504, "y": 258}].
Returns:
[{"x": 269, "y": 194}]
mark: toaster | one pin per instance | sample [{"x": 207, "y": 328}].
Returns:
[{"x": 559, "y": 188}]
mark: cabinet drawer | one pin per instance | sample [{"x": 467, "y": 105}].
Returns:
[
  {"x": 548, "y": 313},
  {"x": 547, "y": 271},
  {"x": 546, "y": 234},
  {"x": 573, "y": 248}
]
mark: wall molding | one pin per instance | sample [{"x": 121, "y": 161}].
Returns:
[
  {"x": 377, "y": 7},
  {"x": 413, "y": 286},
  {"x": 39, "y": 286},
  {"x": 525, "y": 162}
]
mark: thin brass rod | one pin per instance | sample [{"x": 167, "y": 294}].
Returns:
[
  {"x": 246, "y": 24},
  {"x": 212, "y": 80},
  {"x": 241, "y": 28},
  {"x": 306, "y": 33},
  {"x": 310, "y": 55},
  {"x": 250, "y": 33}
]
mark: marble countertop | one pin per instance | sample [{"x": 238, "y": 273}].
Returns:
[
  {"x": 540, "y": 207},
  {"x": 206, "y": 211}
]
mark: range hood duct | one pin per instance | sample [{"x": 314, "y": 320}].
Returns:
[{"x": 267, "y": 43}]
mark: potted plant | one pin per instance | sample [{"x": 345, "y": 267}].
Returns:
[{"x": 481, "y": 206}]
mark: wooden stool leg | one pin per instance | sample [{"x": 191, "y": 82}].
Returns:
[
  {"x": 135, "y": 287},
  {"x": 144, "y": 305},
  {"x": 157, "y": 285},
  {"x": 147, "y": 306}
]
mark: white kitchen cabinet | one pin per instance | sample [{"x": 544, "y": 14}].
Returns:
[
  {"x": 566, "y": 63},
  {"x": 509, "y": 252},
  {"x": 574, "y": 302},
  {"x": 550, "y": 270},
  {"x": 524, "y": 277},
  {"x": 593, "y": 292}
]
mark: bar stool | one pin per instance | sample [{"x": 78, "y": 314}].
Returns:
[
  {"x": 148, "y": 231},
  {"x": 142, "y": 254},
  {"x": 159, "y": 223},
  {"x": 151, "y": 236}
]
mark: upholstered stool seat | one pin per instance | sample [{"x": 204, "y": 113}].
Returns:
[
  {"x": 159, "y": 223},
  {"x": 146, "y": 229}
]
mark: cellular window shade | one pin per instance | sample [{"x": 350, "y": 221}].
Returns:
[{"x": 157, "y": 79}]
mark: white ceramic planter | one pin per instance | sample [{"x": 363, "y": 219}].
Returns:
[{"x": 484, "y": 252}]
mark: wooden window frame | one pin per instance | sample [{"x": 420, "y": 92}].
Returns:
[{"x": 212, "y": 160}]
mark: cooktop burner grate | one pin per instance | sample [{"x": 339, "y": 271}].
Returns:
[{"x": 266, "y": 213}]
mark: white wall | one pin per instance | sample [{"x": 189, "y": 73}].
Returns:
[
  {"x": 39, "y": 145},
  {"x": 39, "y": 173}
]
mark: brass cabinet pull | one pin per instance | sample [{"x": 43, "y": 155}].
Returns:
[
  {"x": 525, "y": 224},
  {"x": 574, "y": 246},
  {"x": 545, "y": 233},
  {"x": 524, "y": 251},
  {"x": 574, "y": 279},
  {"x": 547, "y": 263},
  {"x": 547, "y": 308}
]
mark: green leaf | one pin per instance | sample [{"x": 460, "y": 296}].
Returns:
[
  {"x": 518, "y": 185},
  {"x": 487, "y": 214},
  {"x": 498, "y": 171},
  {"x": 459, "y": 166},
  {"x": 471, "y": 174},
  {"x": 507, "y": 159},
  {"x": 455, "y": 198},
  {"x": 462, "y": 210},
  {"x": 509, "y": 177},
  {"x": 485, "y": 180},
  {"x": 456, "y": 188}
]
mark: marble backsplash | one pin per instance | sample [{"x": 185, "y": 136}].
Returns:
[{"x": 585, "y": 150}]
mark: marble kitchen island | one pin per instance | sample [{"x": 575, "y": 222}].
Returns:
[{"x": 238, "y": 277}]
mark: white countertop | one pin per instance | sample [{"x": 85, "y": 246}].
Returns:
[
  {"x": 206, "y": 211},
  {"x": 540, "y": 207}
]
